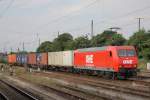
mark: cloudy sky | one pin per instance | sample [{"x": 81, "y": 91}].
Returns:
[{"x": 27, "y": 20}]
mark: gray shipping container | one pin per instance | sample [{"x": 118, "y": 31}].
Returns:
[
  {"x": 62, "y": 58},
  {"x": 68, "y": 58}
]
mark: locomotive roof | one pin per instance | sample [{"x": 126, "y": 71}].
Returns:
[{"x": 92, "y": 49}]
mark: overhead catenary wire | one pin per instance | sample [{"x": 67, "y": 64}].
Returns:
[
  {"x": 125, "y": 15},
  {"x": 67, "y": 15},
  {"x": 102, "y": 21},
  {"x": 11, "y": 2},
  {"x": 80, "y": 28},
  {"x": 86, "y": 6},
  {"x": 113, "y": 18},
  {"x": 7, "y": 8}
]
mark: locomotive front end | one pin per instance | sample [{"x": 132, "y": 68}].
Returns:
[{"x": 128, "y": 62}]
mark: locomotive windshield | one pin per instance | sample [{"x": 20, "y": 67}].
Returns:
[{"x": 126, "y": 53}]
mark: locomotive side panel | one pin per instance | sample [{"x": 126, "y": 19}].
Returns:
[{"x": 99, "y": 60}]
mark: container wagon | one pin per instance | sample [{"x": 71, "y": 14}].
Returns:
[
  {"x": 22, "y": 58},
  {"x": 31, "y": 59},
  {"x": 42, "y": 60},
  {"x": 3, "y": 58},
  {"x": 62, "y": 60},
  {"x": 12, "y": 59}
]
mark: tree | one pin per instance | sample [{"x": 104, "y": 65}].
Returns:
[
  {"x": 63, "y": 42},
  {"x": 46, "y": 46},
  {"x": 136, "y": 40},
  {"x": 108, "y": 38},
  {"x": 81, "y": 42},
  {"x": 146, "y": 46},
  {"x": 116, "y": 39},
  {"x": 146, "y": 54},
  {"x": 141, "y": 40}
]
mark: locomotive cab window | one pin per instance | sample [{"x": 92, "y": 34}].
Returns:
[
  {"x": 126, "y": 53},
  {"x": 110, "y": 54}
]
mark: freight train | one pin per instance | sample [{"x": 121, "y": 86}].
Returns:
[{"x": 111, "y": 61}]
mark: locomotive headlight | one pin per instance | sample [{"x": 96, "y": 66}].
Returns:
[{"x": 120, "y": 66}]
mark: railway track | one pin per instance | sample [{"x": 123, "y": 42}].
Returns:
[
  {"x": 122, "y": 89},
  {"x": 104, "y": 86},
  {"x": 11, "y": 92},
  {"x": 110, "y": 87},
  {"x": 140, "y": 81},
  {"x": 71, "y": 93},
  {"x": 145, "y": 72},
  {"x": 3, "y": 97},
  {"x": 144, "y": 75},
  {"x": 119, "y": 89}
]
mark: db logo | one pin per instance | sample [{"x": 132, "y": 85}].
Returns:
[
  {"x": 89, "y": 59},
  {"x": 127, "y": 61}
]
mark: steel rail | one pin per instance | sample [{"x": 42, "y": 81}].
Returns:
[
  {"x": 3, "y": 96},
  {"x": 19, "y": 90}
]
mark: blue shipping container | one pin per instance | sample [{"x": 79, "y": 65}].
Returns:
[{"x": 22, "y": 58}]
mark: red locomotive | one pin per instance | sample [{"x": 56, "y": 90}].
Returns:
[{"x": 118, "y": 61}]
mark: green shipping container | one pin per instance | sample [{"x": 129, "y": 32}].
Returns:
[{"x": 3, "y": 58}]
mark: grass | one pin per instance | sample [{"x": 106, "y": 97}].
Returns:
[
  {"x": 31, "y": 77},
  {"x": 142, "y": 64}
]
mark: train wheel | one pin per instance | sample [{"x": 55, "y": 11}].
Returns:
[
  {"x": 114, "y": 76},
  {"x": 121, "y": 76}
]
